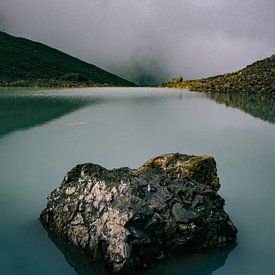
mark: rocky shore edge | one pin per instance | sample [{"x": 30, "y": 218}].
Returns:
[{"x": 257, "y": 78}]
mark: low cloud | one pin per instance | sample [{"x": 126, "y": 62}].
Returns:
[{"x": 149, "y": 40}]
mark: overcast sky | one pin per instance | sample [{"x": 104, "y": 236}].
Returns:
[{"x": 149, "y": 40}]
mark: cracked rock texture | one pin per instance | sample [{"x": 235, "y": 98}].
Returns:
[{"x": 134, "y": 217}]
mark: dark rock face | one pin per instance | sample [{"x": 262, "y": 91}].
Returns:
[{"x": 134, "y": 217}]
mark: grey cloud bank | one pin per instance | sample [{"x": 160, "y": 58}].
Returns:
[{"x": 149, "y": 41}]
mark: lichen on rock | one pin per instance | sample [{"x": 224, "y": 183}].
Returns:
[{"x": 134, "y": 217}]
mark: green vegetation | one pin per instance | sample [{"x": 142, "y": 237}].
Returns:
[
  {"x": 257, "y": 78},
  {"x": 27, "y": 63}
]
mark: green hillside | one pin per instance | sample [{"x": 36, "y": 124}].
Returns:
[
  {"x": 257, "y": 78},
  {"x": 27, "y": 63}
]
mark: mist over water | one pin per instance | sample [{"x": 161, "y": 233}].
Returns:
[{"x": 149, "y": 41}]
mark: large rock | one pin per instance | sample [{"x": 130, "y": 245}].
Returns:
[{"x": 134, "y": 217}]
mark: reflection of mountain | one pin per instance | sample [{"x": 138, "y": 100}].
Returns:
[
  {"x": 203, "y": 262},
  {"x": 21, "y": 112},
  {"x": 259, "y": 106},
  {"x": 24, "y": 108}
]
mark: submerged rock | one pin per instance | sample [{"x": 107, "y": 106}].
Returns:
[{"x": 134, "y": 217}]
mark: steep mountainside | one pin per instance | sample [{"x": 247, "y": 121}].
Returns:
[
  {"x": 27, "y": 63},
  {"x": 258, "y": 78}
]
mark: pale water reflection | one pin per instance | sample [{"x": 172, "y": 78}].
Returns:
[
  {"x": 257, "y": 105},
  {"x": 43, "y": 134}
]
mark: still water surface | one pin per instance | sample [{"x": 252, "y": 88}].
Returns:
[{"x": 45, "y": 133}]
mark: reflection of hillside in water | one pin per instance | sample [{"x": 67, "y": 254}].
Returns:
[
  {"x": 22, "y": 112},
  {"x": 259, "y": 106}
]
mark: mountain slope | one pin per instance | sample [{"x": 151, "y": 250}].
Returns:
[
  {"x": 27, "y": 63},
  {"x": 258, "y": 78}
]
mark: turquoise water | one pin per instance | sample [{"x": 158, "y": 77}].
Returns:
[{"x": 45, "y": 133}]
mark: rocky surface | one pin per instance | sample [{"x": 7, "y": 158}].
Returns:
[
  {"x": 257, "y": 78},
  {"x": 131, "y": 218}
]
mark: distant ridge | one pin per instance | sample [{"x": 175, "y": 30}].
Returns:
[
  {"x": 257, "y": 78},
  {"x": 27, "y": 63}
]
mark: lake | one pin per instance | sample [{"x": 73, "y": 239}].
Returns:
[{"x": 45, "y": 133}]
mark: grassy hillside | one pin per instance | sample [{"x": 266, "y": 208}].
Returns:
[
  {"x": 257, "y": 78},
  {"x": 27, "y": 63}
]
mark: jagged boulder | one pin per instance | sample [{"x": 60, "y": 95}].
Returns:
[{"x": 134, "y": 217}]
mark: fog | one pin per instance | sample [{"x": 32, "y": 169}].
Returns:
[{"x": 149, "y": 41}]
